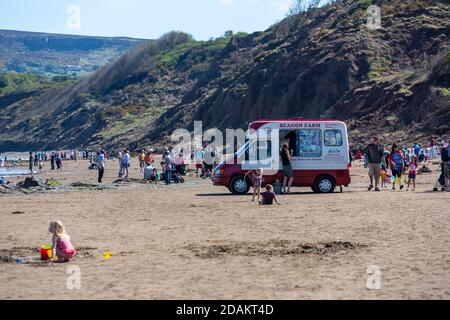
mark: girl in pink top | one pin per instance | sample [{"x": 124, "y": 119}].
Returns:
[{"x": 63, "y": 250}]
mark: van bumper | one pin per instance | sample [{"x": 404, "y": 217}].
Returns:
[{"x": 220, "y": 181}]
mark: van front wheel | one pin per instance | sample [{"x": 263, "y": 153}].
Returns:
[
  {"x": 325, "y": 184},
  {"x": 239, "y": 185}
]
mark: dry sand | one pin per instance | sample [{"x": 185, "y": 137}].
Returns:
[{"x": 195, "y": 241}]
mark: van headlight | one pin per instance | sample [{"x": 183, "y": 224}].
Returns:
[{"x": 219, "y": 171}]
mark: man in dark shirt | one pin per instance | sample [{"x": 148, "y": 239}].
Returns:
[
  {"x": 52, "y": 161},
  {"x": 375, "y": 156},
  {"x": 288, "y": 173},
  {"x": 292, "y": 137}
]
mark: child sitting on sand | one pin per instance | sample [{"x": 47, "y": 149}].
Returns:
[
  {"x": 62, "y": 248},
  {"x": 256, "y": 182},
  {"x": 268, "y": 197}
]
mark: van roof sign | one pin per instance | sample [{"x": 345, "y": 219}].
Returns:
[{"x": 292, "y": 123}]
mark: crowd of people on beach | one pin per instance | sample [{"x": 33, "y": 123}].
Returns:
[
  {"x": 397, "y": 165},
  {"x": 390, "y": 166},
  {"x": 172, "y": 167},
  {"x": 56, "y": 160}
]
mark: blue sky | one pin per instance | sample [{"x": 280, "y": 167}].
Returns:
[{"x": 142, "y": 18}]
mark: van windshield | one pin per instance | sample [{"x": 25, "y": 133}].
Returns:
[{"x": 240, "y": 153}]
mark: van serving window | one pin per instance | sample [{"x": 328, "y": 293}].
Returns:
[
  {"x": 333, "y": 138},
  {"x": 310, "y": 143}
]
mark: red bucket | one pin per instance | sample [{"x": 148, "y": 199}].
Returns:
[{"x": 46, "y": 253}]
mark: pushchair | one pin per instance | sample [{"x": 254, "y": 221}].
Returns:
[
  {"x": 440, "y": 183},
  {"x": 176, "y": 177},
  {"x": 180, "y": 169}
]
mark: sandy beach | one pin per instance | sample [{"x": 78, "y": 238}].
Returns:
[{"x": 196, "y": 241}]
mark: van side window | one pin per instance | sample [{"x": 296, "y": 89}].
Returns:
[
  {"x": 310, "y": 143},
  {"x": 333, "y": 138},
  {"x": 258, "y": 151}
]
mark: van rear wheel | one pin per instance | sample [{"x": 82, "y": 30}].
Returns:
[
  {"x": 239, "y": 185},
  {"x": 324, "y": 184}
]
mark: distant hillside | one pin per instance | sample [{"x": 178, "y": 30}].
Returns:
[
  {"x": 116, "y": 104},
  {"x": 325, "y": 63},
  {"x": 54, "y": 54}
]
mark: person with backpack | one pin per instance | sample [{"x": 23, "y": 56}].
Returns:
[
  {"x": 397, "y": 165},
  {"x": 445, "y": 157}
]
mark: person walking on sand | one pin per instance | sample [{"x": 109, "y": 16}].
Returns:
[
  {"x": 288, "y": 173},
  {"x": 375, "y": 156},
  {"x": 100, "y": 161},
  {"x": 125, "y": 164},
  {"x": 412, "y": 173},
  {"x": 168, "y": 167},
  {"x": 142, "y": 161},
  {"x": 53, "y": 161},
  {"x": 35, "y": 159},
  {"x": 198, "y": 158},
  {"x": 397, "y": 165},
  {"x": 30, "y": 162},
  {"x": 257, "y": 179},
  {"x": 149, "y": 158},
  {"x": 445, "y": 156},
  {"x": 40, "y": 159},
  {"x": 58, "y": 161}
]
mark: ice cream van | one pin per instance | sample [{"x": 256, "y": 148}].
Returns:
[{"x": 319, "y": 150}]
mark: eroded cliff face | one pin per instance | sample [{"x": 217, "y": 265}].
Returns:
[{"x": 390, "y": 82}]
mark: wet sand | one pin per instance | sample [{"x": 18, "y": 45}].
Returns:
[{"x": 196, "y": 241}]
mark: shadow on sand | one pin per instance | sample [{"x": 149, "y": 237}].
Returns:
[{"x": 219, "y": 195}]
